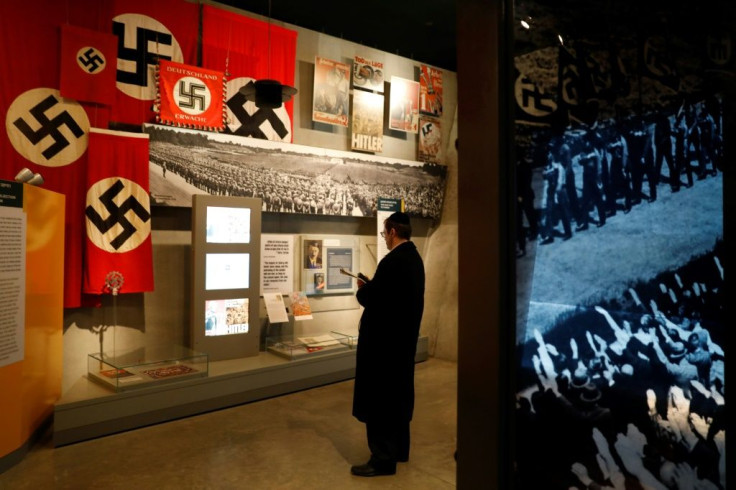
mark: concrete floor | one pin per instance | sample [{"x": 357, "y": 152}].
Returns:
[{"x": 305, "y": 440}]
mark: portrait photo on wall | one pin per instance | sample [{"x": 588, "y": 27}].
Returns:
[
  {"x": 313, "y": 254},
  {"x": 319, "y": 282},
  {"x": 621, "y": 140}
]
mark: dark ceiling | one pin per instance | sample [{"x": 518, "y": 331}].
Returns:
[{"x": 423, "y": 31}]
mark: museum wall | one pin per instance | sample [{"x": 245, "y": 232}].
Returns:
[{"x": 131, "y": 321}]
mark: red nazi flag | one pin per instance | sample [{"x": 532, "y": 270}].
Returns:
[
  {"x": 118, "y": 213},
  {"x": 190, "y": 96},
  {"x": 149, "y": 31},
  {"x": 88, "y": 65},
  {"x": 250, "y": 49}
]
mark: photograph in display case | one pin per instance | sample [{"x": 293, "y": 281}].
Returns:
[
  {"x": 330, "y": 254},
  {"x": 228, "y": 225},
  {"x": 313, "y": 254},
  {"x": 226, "y": 317},
  {"x": 227, "y": 271}
]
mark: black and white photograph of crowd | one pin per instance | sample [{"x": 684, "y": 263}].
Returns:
[
  {"x": 620, "y": 253},
  {"x": 287, "y": 178}
]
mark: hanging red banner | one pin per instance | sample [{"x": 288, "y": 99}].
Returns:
[{"x": 190, "y": 96}]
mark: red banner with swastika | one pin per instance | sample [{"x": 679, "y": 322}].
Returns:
[
  {"x": 45, "y": 132},
  {"x": 149, "y": 31},
  {"x": 190, "y": 96},
  {"x": 118, "y": 214},
  {"x": 88, "y": 65},
  {"x": 249, "y": 49}
]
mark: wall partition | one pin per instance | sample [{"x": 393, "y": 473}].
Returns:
[{"x": 623, "y": 114}]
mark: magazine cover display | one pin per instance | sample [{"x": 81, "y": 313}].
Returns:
[
  {"x": 430, "y": 91},
  {"x": 367, "y": 131},
  {"x": 430, "y": 140},
  {"x": 331, "y": 92},
  {"x": 368, "y": 74},
  {"x": 404, "y": 109}
]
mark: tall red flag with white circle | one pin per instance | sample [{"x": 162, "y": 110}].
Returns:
[{"x": 118, "y": 214}]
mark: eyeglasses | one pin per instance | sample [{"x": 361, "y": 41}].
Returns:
[{"x": 383, "y": 234}]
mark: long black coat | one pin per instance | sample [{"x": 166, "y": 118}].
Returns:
[{"x": 387, "y": 340}]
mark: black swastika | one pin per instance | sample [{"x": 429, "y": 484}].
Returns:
[
  {"x": 190, "y": 99},
  {"x": 91, "y": 60},
  {"x": 117, "y": 214},
  {"x": 534, "y": 97},
  {"x": 49, "y": 127},
  {"x": 139, "y": 54},
  {"x": 250, "y": 125}
]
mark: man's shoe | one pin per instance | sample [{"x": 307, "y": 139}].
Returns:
[{"x": 370, "y": 470}]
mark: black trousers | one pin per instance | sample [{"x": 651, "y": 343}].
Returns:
[{"x": 388, "y": 442}]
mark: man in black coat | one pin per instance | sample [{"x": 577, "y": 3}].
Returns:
[{"x": 393, "y": 302}]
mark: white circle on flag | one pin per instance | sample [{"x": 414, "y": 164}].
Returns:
[
  {"x": 91, "y": 60},
  {"x": 126, "y": 199},
  {"x": 192, "y": 95},
  {"x": 54, "y": 135},
  {"x": 233, "y": 123},
  {"x": 132, "y": 54}
]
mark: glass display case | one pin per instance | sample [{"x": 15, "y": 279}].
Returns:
[
  {"x": 305, "y": 346},
  {"x": 346, "y": 338},
  {"x": 146, "y": 366}
]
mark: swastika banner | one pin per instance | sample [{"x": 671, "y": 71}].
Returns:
[
  {"x": 43, "y": 131},
  {"x": 118, "y": 214},
  {"x": 147, "y": 32},
  {"x": 190, "y": 96},
  {"x": 88, "y": 65},
  {"x": 247, "y": 50}
]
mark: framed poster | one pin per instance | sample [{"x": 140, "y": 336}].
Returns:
[
  {"x": 404, "y": 108},
  {"x": 367, "y": 131},
  {"x": 368, "y": 74},
  {"x": 430, "y": 91},
  {"x": 331, "y": 92},
  {"x": 430, "y": 140}
]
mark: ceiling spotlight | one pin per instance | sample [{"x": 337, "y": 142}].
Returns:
[
  {"x": 559, "y": 37},
  {"x": 525, "y": 24}
]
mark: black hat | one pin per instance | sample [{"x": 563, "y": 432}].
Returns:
[
  {"x": 579, "y": 380},
  {"x": 678, "y": 351},
  {"x": 399, "y": 218},
  {"x": 590, "y": 393}
]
